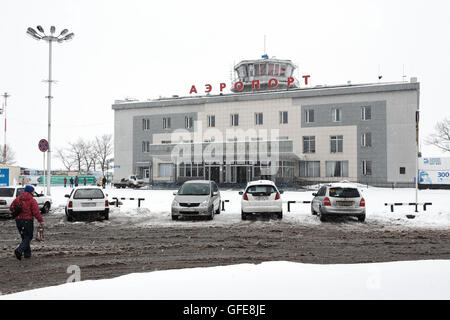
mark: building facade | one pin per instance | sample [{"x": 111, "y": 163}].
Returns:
[{"x": 363, "y": 133}]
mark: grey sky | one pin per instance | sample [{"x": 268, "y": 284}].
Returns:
[{"x": 147, "y": 49}]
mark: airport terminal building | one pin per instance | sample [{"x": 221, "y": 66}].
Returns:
[{"x": 357, "y": 132}]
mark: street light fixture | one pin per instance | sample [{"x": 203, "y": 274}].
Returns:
[{"x": 40, "y": 35}]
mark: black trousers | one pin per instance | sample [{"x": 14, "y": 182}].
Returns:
[{"x": 26, "y": 229}]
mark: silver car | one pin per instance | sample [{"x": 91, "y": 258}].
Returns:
[
  {"x": 339, "y": 199},
  {"x": 196, "y": 198}
]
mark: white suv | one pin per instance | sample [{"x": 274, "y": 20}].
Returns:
[
  {"x": 261, "y": 197},
  {"x": 87, "y": 202}
]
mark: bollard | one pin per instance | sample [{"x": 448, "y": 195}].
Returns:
[{"x": 223, "y": 204}]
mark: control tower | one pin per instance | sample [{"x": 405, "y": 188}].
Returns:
[{"x": 264, "y": 69}]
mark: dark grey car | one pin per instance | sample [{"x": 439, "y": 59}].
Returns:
[{"x": 196, "y": 198}]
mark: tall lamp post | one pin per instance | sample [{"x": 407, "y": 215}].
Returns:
[{"x": 40, "y": 35}]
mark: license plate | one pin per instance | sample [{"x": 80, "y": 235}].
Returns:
[
  {"x": 344, "y": 203},
  {"x": 262, "y": 198},
  {"x": 88, "y": 204}
]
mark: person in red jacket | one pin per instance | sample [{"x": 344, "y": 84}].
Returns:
[{"x": 24, "y": 221}]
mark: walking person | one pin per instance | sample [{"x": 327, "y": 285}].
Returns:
[
  {"x": 104, "y": 182},
  {"x": 24, "y": 220},
  {"x": 65, "y": 182},
  {"x": 76, "y": 181},
  {"x": 71, "y": 182},
  {"x": 84, "y": 181}
]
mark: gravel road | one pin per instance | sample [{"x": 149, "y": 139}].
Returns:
[{"x": 109, "y": 249}]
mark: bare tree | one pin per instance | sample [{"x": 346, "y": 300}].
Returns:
[
  {"x": 441, "y": 137},
  {"x": 76, "y": 153},
  {"x": 8, "y": 156},
  {"x": 88, "y": 154},
  {"x": 65, "y": 158},
  {"x": 103, "y": 147}
]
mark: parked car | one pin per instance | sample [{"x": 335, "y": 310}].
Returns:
[
  {"x": 196, "y": 198},
  {"x": 87, "y": 202},
  {"x": 339, "y": 199},
  {"x": 261, "y": 197},
  {"x": 8, "y": 194}
]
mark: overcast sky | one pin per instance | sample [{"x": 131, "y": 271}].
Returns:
[{"x": 146, "y": 49}]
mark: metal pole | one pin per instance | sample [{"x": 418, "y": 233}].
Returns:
[
  {"x": 5, "y": 95},
  {"x": 49, "y": 155},
  {"x": 417, "y": 158}
]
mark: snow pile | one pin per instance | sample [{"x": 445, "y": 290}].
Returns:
[{"x": 269, "y": 280}]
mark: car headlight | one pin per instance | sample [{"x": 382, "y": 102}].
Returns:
[
  {"x": 204, "y": 203},
  {"x": 175, "y": 203}
]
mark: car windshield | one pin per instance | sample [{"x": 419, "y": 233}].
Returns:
[
  {"x": 88, "y": 194},
  {"x": 6, "y": 192},
  {"x": 344, "y": 193},
  {"x": 19, "y": 191},
  {"x": 261, "y": 190},
  {"x": 194, "y": 189}
]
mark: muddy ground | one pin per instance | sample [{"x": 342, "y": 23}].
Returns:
[{"x": 107, "y": 249}]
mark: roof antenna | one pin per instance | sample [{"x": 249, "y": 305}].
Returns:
[
  {"x": 265, "y": 56},
  {"x": 404, "y": 76},
  {"x": 379, "y": 74}
]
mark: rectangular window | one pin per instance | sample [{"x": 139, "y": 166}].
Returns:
[
  {"x": 309, "y": 169},
  {"x": 367, "y": 168},
  {"x": 181, "y": 170},
  {"x": 366, "y": 113},
  {"x": 336, "y": 115},
  {"x": 283, "y": 117},
  {"x": 145, "y": 124},
  {"x": 337, "y": 168},
  {"x": 234, "y": 120},
  {"x": 166, "y": 123},
  {"x": 259, "y": 120},
  {"x": 165, "y": 170},
  {"x": 188, "y": 169},
  {"x": 145, "y": 146},
  {"x": 309, "y": 116},
  {"x": 188, "y": 122},
  {"x": 211, "y": 121},
  {"x": 366, "y": 139},
  {"x": 336, "y": 144},
  {"x": 402, "y": 170},
  {"x": 309, "y": 144}
]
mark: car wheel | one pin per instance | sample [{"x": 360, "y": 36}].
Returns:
[
  {"x": 279, "y": 215},
  {"x": 218, "y": 209},
  {"x": 244, "y": 215},
  {"x": 313, "y": 212},
  {"x": 46, "y": 208},
  {"x": 174, "y": 217},
  {"x": 362, "y": 218},
  {"x": 69, "y": 217},
  {"x": 211, "y": 216},
  {"x": 106, "y": 216}
]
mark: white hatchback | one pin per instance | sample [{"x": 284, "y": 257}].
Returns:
[
  {"x": 261, "y": 197},
  {"x": 87, "y": 202}
]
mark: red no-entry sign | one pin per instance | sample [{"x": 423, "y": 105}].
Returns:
[{"x": 43, "y": 145}]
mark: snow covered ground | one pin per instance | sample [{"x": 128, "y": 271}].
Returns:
[
  {"x": 270, "y": 280},
  {"x": 155, "y": 210}
]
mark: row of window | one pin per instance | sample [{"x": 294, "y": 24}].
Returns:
[
  {"x": 336, "y": 114},
  {"x": 167, "y": 123},
  {"x": 307, "y": 169},
  {"x": 336, "y": 143},
  {"x": 311, "y": 169}
]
